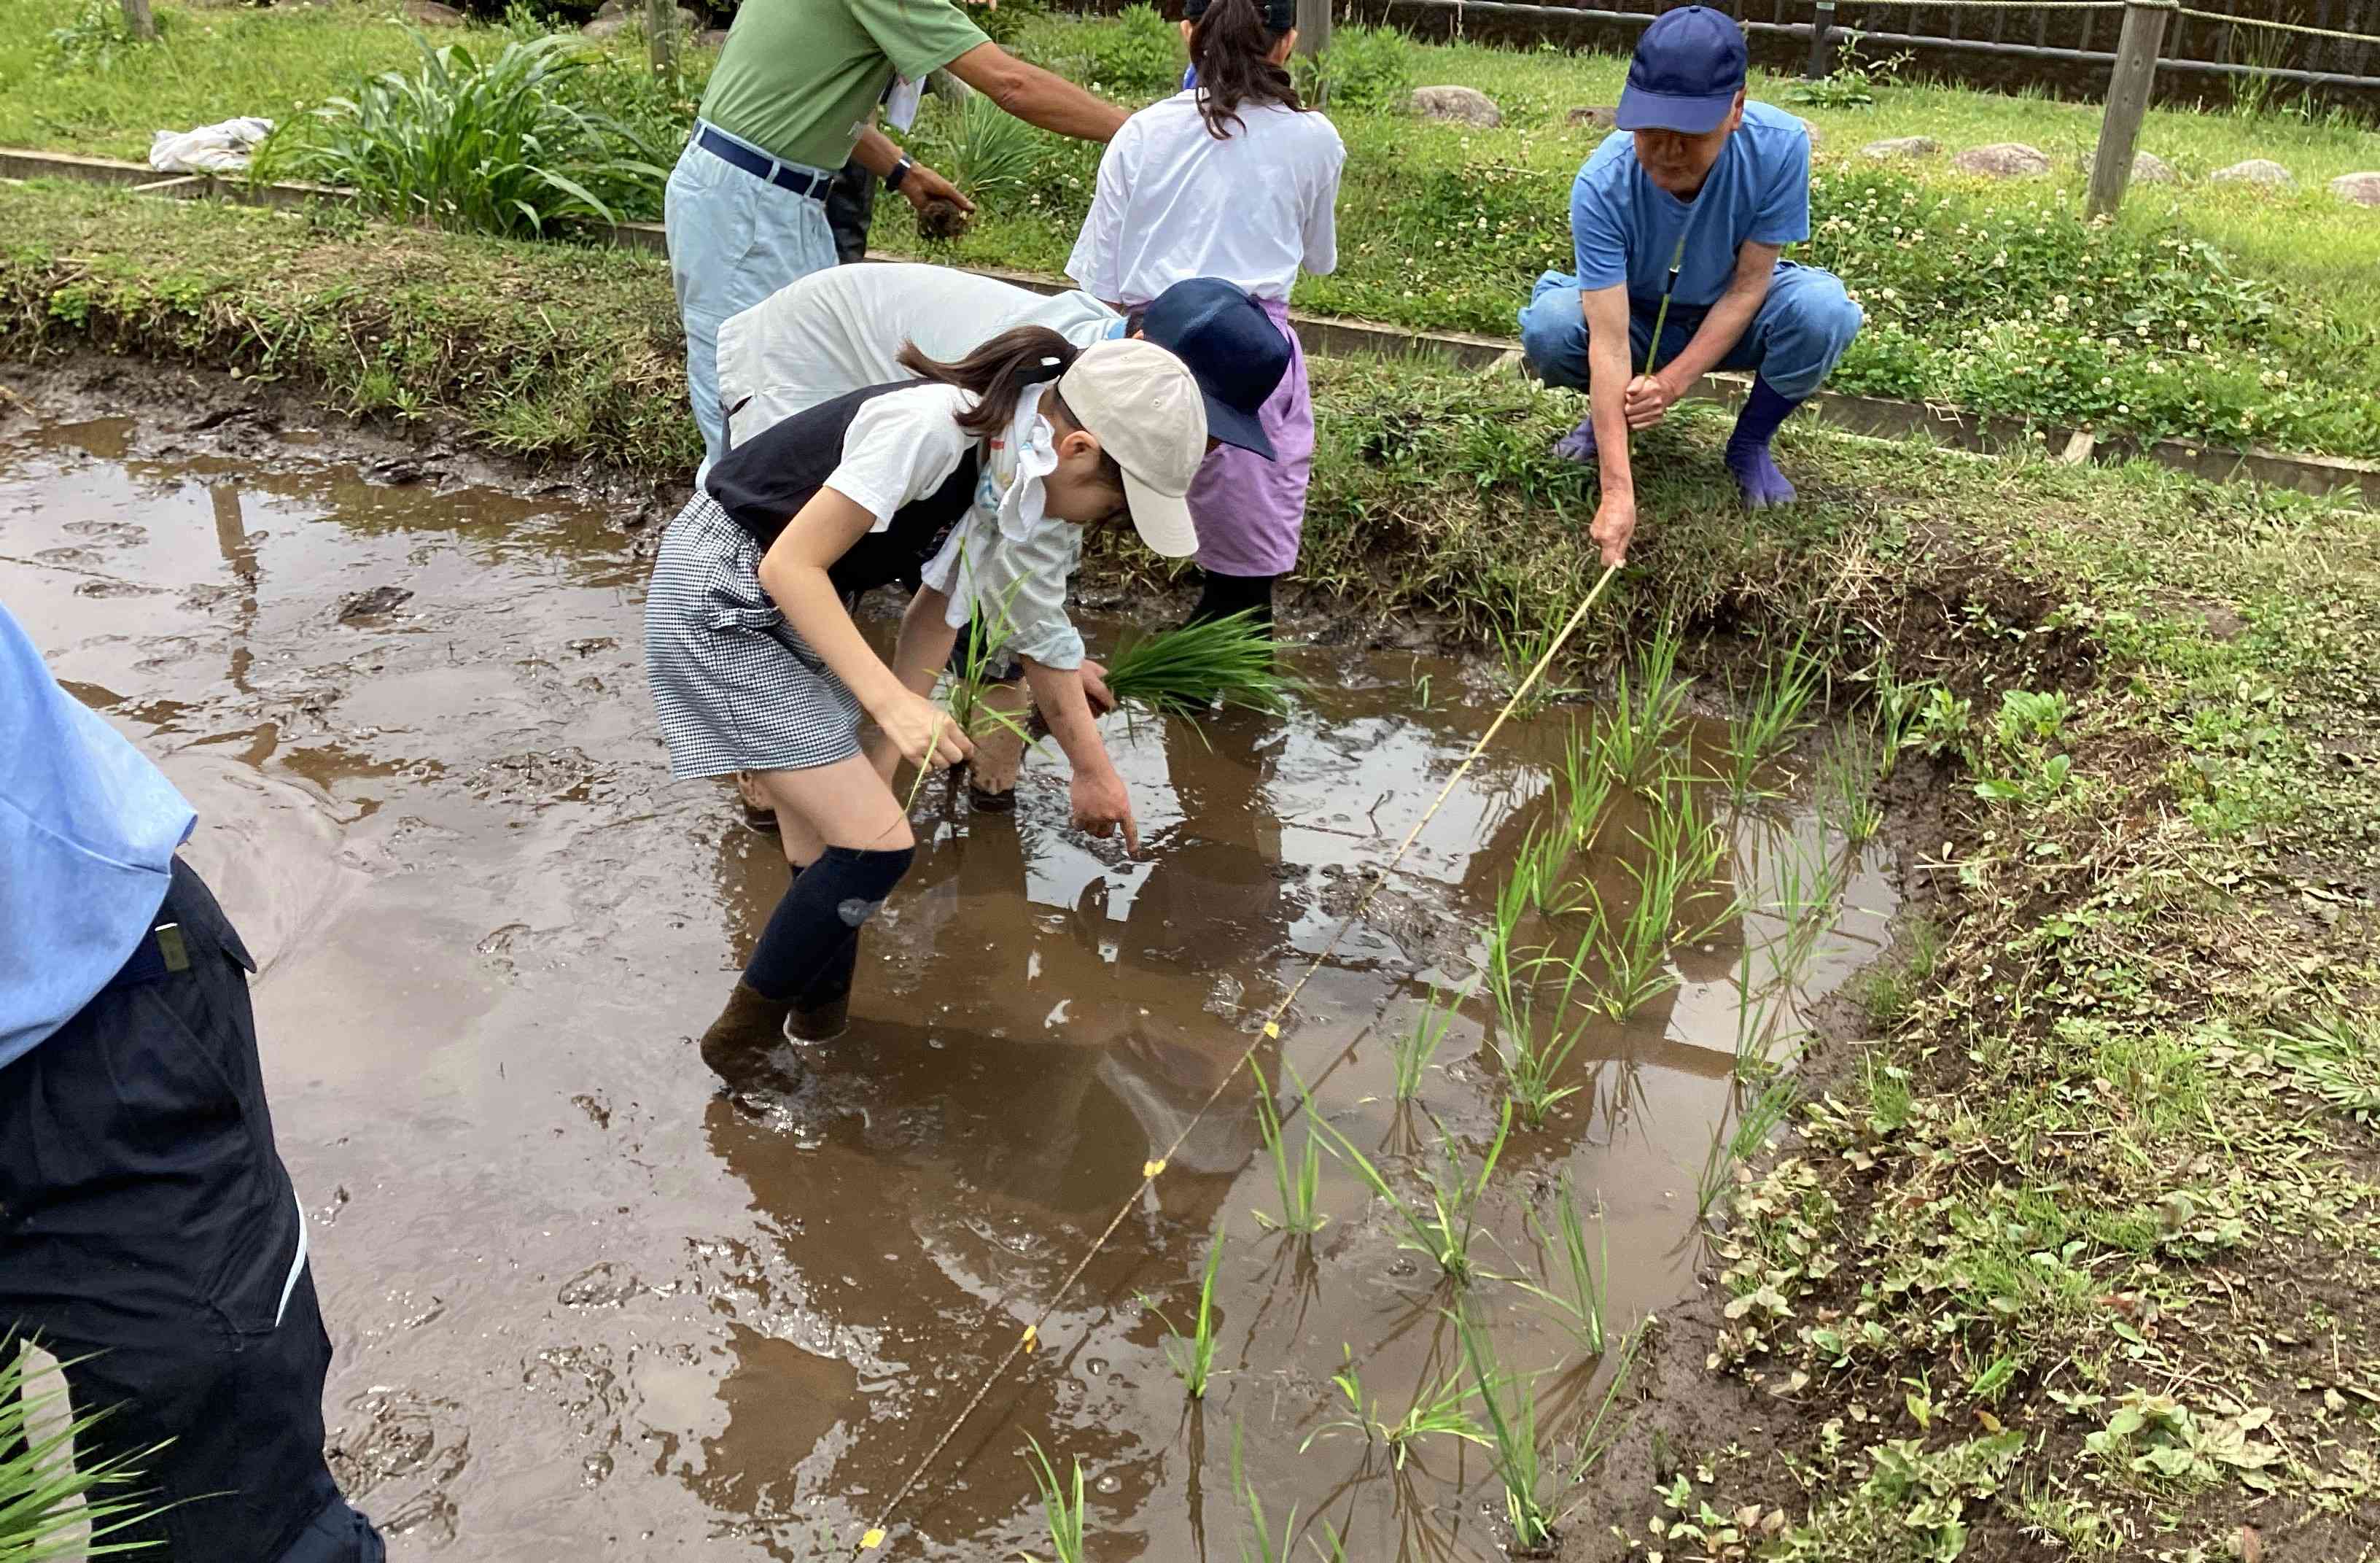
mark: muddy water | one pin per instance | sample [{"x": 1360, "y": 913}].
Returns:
[{"x": 582, "y": 1303}]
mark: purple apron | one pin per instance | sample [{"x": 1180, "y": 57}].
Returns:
[{"x": 1249, "y": 511}]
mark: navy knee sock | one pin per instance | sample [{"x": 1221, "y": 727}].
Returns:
[{"x": 813, "y": 936}]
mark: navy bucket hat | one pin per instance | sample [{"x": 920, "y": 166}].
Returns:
[
  {"x": 1234, "y": 349},
  {"x": 1685, "y": 74}
]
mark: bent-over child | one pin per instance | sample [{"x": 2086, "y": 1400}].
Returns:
[{"x": 756, "y": 665}]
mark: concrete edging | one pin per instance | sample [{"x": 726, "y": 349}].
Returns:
[{"x": 1338, "y": 337}]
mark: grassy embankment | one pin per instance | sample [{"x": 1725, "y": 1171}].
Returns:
[
  {"x": 2080, "y": 1244},
  {"x": 2223, "y": 312}
]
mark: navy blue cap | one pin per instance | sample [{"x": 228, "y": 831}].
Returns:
[
  {"x": 1687, "y": 69},
  {"x": 1232, "y": 348}
]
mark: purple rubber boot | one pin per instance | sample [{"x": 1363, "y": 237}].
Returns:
[
  {"x": 1579, "y": 443},
  {"x": 1747, "y": 449}
]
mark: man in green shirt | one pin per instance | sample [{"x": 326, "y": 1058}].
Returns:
[{"x": 794, "y": 95}]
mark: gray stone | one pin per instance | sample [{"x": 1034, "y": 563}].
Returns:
[
  {"x": 2003, "y": 160},
  {"x": 712, "y": 38},
  {"x": 2255, "y": 171},
  {"x": 1903, "y": 146},
  {"x": 1460, "y": 106},
  {"x": 2148, "y": 168},
  {"x": 614, "y": 16},
  {"x": 1817, "y": 137},
  {"x": 429, "y": 13},
  {"x": 603, "y": 27},
  {"x": 1594, "y": 118},
  {"x": 2361, "y": 189}
]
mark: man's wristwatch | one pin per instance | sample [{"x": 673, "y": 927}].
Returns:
[{"x": 900, "y": 171}]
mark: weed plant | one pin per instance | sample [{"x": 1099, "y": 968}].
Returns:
[
  {"x": 1846, "y": 800},
  {"x": 1186, "y": 671},
  {"x": 1061, "y": 1506},
  {"x": 1193, "y": 1356},
  {"x": 1443, "y": 1220},
  {"x": 1297, "y": 1178},
  {"x": 503, "y": 143},
  {"x": 1574, "y": 1277},
  {"x": 1521, "y": 642},
  {"x": 1366, "y": 68},
  {"x": 1758, "y": 1119},
  {"x": 2337, "y": 1059},
  {"x": 45, "y": 1498},
  {"x": 987, "y": 153},
  {"x": 1437, "y": 1411}
]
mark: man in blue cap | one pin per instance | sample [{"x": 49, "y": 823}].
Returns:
[{"x": 1691, "y": 201}]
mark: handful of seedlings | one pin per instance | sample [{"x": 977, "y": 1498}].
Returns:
[{"x": 1186, "y": 671}]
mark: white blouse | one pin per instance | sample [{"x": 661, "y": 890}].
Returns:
[{"x": 1173, "y": 202}]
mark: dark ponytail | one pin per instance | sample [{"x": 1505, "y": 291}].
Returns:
[
  {"x": 1229, "y": 41},
  {"x": 997, "y": 373}
]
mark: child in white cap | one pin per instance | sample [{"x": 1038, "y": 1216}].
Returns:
[{"x": 756, "y": 665}]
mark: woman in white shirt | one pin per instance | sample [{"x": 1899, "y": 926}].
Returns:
[{"x": 1229, "y": 179}]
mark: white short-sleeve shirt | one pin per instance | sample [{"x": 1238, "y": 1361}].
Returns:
[
  {"x": 1173, "y": 202},
  {"x": 842, "y": 329}
]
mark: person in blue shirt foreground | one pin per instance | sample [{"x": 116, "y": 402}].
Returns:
[
  {"x": 1694, "y": 196},
  {"x": 149, "y": 1235}
]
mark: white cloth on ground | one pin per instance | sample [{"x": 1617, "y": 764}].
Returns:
[
  {"x": 210, "y": 148},
  {"x": 1173, "y": 202},
  {"x": 840, "y": 329}
]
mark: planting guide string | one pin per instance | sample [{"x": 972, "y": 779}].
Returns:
[{"x": 1269, "y": 1032}]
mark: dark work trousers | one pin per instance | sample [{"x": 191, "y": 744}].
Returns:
[
  {"x": 150, "y": 1241},
  {"x": 1220, "y": 596},
  {"x": 850, "y": 207}
]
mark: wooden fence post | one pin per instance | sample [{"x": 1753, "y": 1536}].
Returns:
[
  {"x": 1822, "y": 42},
  {"x": 1313, "y": 26},
  {"x": 661, "y": 34},
  {"x": 2128, "y": 85},
  {"x": 137, "y": 18}
]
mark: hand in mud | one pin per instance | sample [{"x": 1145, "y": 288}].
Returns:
[
  {"x": 1101, "y": 802},
  {"x": 923, "y": 187},
  {"x": 1095, "y": 687},
  {"x": 1615, "y": 524},
  {"x": 1648, "y": 400},
  {"x": 923, "y": 732}
]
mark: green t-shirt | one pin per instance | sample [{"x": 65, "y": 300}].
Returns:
[{"x": 801, "y": 77}]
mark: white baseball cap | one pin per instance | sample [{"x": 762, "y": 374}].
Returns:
[{"x": 1145, "y": 407}]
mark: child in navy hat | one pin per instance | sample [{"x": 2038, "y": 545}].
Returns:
[{"x": 1692, "y": 199}]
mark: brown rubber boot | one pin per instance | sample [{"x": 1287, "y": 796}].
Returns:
[
  {"x": 741, "y": 1045},
  {"x": 823, "y": 1023}
]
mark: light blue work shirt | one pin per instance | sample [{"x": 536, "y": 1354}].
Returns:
[
  {"x": 87, "y": 829},
  {"x": 1624, "y": 227}
]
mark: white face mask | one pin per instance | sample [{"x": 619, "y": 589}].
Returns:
[{"x": 1009, "y": 491}]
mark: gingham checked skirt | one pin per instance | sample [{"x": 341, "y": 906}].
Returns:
[{"x": 735, "y": 688}]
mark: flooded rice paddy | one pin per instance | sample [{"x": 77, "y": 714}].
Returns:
[{"x": 582, "y": 1303}]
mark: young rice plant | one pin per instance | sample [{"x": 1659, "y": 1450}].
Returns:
[
  {"x": 1061, "y": 1506},
  {"x": 1578, "y": 1289},
  {"x": 1441, "y": 1223},
  {"x": 44, "y": 1500},
  {"x": 1193, "y": 1356},
  {"x": 1298, "y": 1179},
  {"x": 1184, "y": 672}
]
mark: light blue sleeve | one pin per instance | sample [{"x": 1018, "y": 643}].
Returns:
[
  {"x": 1783, "y": 216},
  {"x": 1020, "y": 589},
  {"x": 1598, "y": 224}
]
